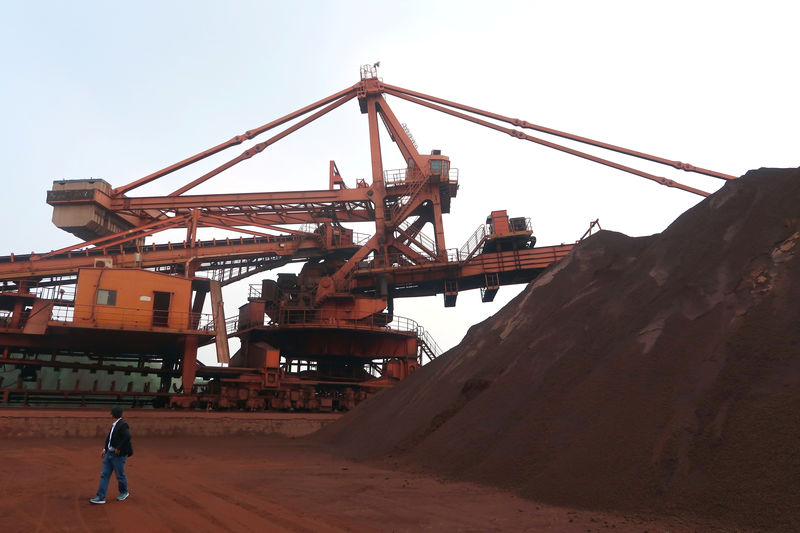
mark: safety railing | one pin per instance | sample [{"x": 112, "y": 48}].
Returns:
[
  {"x": 518, "y": 224},
  {"x": 394, "y": 176},
  {"x": 59, "y": 288},
  {"x": 452, "y": 176},
  {"x": 309, "y": 227},
  {"x": 421, "y": 238},
  {"x": 238, "y": 268},
  {"x": 408, "y": 133},
  {"x": 56, "y": 292},
  {"x": 397, "y": 260},
  {"x": 429, "y": 346},
  {"x": 62, "y": 313},
  {"x": 232, "y": 325},
  {"x": 369, "y": 71},
  {"x": 227, "y": 241},
  {"x": 521, "y": 224},
  {"x": 120, "y": 317},
  {"x": 400, "y": 176},
  {"x": 361, "y": 239},
  {"x": 401, "y": 209},
  {"x": 454, "y": 255},
  {"x": 138, "y": 246},
  {"x": 474, "y": 240},
  {"x": 254, "y": 290},
  {"x": 310, "y": 318}
]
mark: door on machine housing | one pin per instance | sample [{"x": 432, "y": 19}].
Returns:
[{"x": 161, "y": 309}]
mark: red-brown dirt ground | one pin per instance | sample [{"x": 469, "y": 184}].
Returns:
[
  {"x": 638, "y": 378},
  {"x": 659, "y": 373},
  {"x": 256, "y": 483}
]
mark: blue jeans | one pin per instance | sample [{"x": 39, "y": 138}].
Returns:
[{"x": 115, "y": 463}]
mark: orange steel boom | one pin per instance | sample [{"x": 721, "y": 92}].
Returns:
[{"x": 321, "y": 339}]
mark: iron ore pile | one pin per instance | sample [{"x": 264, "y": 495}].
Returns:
[{"x": 657, "y": 374}]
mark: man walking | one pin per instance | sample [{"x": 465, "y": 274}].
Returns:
[{"x": 116, "y": 450}]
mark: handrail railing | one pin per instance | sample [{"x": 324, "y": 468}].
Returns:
[
  {"x": 484, "y": 231},
  {"x": 400, "y": 260},
  {"x": 433, "y": 350},
  {"x": 232, "y": 325},
  {"x": 397, "y": 260},
  {"x": 452, "y": 175},
  {"x": 408, "y": 133},
  {"x": 56, "y": 292},
  {"x": 254, "y": 290},
  {"x": 312, "y": 228},
  {"x": 453, "y": 255},
  {"x": 310, "y": 317},
  {"x": 475, "y": 240},
  {"x": 360, "y": 239},
  {"x": 130, "y": 317},
  {"x": 421, "y": 238},
  {"x": 399, "y": 176}
]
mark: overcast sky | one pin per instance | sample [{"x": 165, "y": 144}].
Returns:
[{"x": 116, "y": 91}]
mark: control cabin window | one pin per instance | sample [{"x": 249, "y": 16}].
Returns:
[{"x": 106, "y": 297}]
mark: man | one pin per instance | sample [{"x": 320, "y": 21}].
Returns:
[{"x": 116, "y": 450}]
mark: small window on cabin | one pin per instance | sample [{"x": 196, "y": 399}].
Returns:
[{"x": 105, "y": 297}]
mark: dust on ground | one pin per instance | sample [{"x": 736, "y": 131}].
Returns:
[{"x": 200, "y": 484}]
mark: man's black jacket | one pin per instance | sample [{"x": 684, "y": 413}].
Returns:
[{"x": 120, "y": 439}]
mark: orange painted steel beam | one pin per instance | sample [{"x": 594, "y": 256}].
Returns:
[
  {"x": 230, "y": 200},
  {"x": 541, "y": 257},
  {"x": 249, "y": 134},
  {"x": 288, "y": 214},
  {"x": 397, "y": 91},
  {"x": 160, "y": 255},
  {"x": 292, "y": 207},
  {"x": 398, "y": 134},
  {"x": 226, "y": 221},
  {"x": 529, "y": 259},
  {"x": 412, "y": 254},
  {"x": 123, "y": 236},
  {"x": 520, "y": 135},
  {"x": 258, "y": 148}
]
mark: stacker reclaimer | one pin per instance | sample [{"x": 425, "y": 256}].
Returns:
[{"x": 118, "y": 317}]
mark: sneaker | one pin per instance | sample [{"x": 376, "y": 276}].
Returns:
[
  {"x": 123, "y": 496},
  {"x": 97, "y": 500}
]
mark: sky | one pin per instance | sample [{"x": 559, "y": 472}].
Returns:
[{"x": 119, "y": 90}]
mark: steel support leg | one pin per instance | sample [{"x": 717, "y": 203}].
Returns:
[{"x": 189, "y": 364}]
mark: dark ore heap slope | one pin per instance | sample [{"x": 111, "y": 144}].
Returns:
[{"x": 657, "y": 373}]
